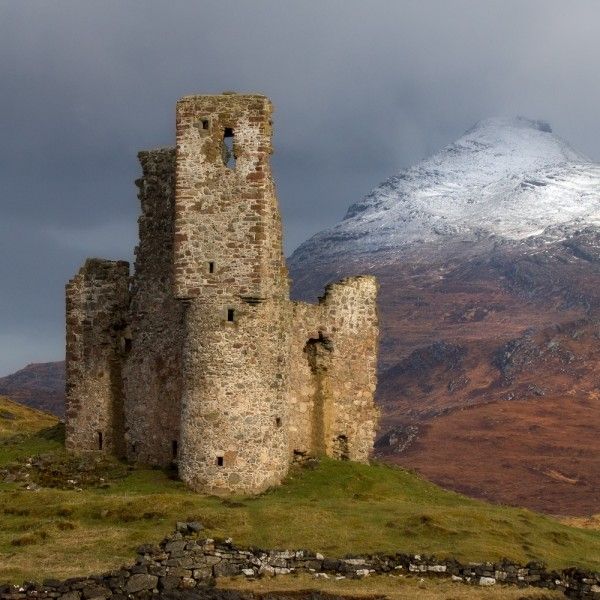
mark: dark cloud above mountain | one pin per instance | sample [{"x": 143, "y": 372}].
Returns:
[{"x": 361, "y": 89}]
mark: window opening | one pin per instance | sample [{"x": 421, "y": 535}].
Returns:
[
  {"x": 230, "y": 315},
  {"x": 100, "y": 440},
  {"x": 174, "y": 448},
  {"x": 228, "y": 156},
  {"x": 204, "y": 123},
  {"x": 278, "y": 421},
  {"x": 220, "y": 461},
  {"x": 211, "y": 267}
]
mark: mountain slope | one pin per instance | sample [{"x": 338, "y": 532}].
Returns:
[
  {"x": 38, "y": 385},
  {"x": 488, "y": 257}
]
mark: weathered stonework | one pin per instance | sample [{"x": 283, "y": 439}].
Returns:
[
  {"x": 152, "y": 371},
  {"x": 97, "y": 300},
  {"x": 214, "y": 367}
]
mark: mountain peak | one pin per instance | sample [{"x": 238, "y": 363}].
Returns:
[
  {"x": 512, "y": 122},
  {"x": 506, "y": 178}
]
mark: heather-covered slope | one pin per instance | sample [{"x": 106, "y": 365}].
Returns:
[{"x": 488, "y": 256}]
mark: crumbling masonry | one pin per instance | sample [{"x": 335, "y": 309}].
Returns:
[{"x": 201, "y": 358}]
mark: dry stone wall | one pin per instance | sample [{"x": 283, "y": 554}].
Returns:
[
  {"x": 97, "y": 300},
  {"x": 153, "y": 369},
  {"x": 181, "y": 564}
]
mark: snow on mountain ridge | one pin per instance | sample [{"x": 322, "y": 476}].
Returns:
[{"x": 506, "y": 177}]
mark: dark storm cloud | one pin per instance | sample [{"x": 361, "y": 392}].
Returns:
[{"x": 361, "y": 90}]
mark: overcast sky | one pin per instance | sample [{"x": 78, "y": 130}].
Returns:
[{"x": 361, "y": 90}]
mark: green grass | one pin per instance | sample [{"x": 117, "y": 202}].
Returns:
[{"x": 336, "y": 508}]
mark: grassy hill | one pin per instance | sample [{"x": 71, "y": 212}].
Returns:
[{"x": 335, "y": 508}]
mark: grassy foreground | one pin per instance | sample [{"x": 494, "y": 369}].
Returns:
[
  {"x": 390, "y": 587},
  {"x": 335, "y": 508}
]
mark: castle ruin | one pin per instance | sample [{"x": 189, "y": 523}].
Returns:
[{"x": 200, "y": 358}]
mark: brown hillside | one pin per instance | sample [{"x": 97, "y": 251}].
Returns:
[
  {"x": 38, "y": 385},
  {"x": 489, "y": 367}
]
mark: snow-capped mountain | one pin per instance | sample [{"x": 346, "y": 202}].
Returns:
[{"x": 510, "y": 178}]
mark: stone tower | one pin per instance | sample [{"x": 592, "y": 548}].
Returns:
[
  {"x": 230, "y": 272},
  {"x": 201, "y": 358}
]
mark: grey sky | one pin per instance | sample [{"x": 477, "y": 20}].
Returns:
[{"x": 361, "y": 89}]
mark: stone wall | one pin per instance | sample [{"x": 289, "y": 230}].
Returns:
[
  {"x": 333, "y": 372},
  {"x": 182, "y": 563},
  {"x": 350, "y": 319},
  {"x": 305, "y": 382},
  {"x": 153, "y": 369},
  {"x": 97, "y": 300}
]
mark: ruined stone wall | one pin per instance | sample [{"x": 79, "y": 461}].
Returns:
[
  {"x": 230, "y": 270},
  {"x": 152, "y": 372},
  {"x": 333, "y": 372},
  {"x": 97, "y": 301},
  {"x": 304, "y": 382},
  {"x": 351, "y": 322}
]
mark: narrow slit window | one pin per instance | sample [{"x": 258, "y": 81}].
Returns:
[
  {"x": 220, "y": 461},
  {"x": 228, "y": 156},
  {"x": 204, "y": 123},
  {"x": 231, "y": 315},
  {"x": 211, "y": 267},
  {"x": 100, "y": 440},
  {"x": 174, "y": 449},
  {"x": 278, "y": 421}
]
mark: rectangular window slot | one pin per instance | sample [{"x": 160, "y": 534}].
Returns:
[
  {"x": 211, "y": 267},
  {"x": 174, "y": 449},
  {"x": 204, "y": 123},
  {"x": 227, "y": 150},
  {"x": 220, "y": 461},
  {"x": 278, "y": 421},
  {"x": 231, "y": 315},
  {"x": 100, "y": 440}
]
